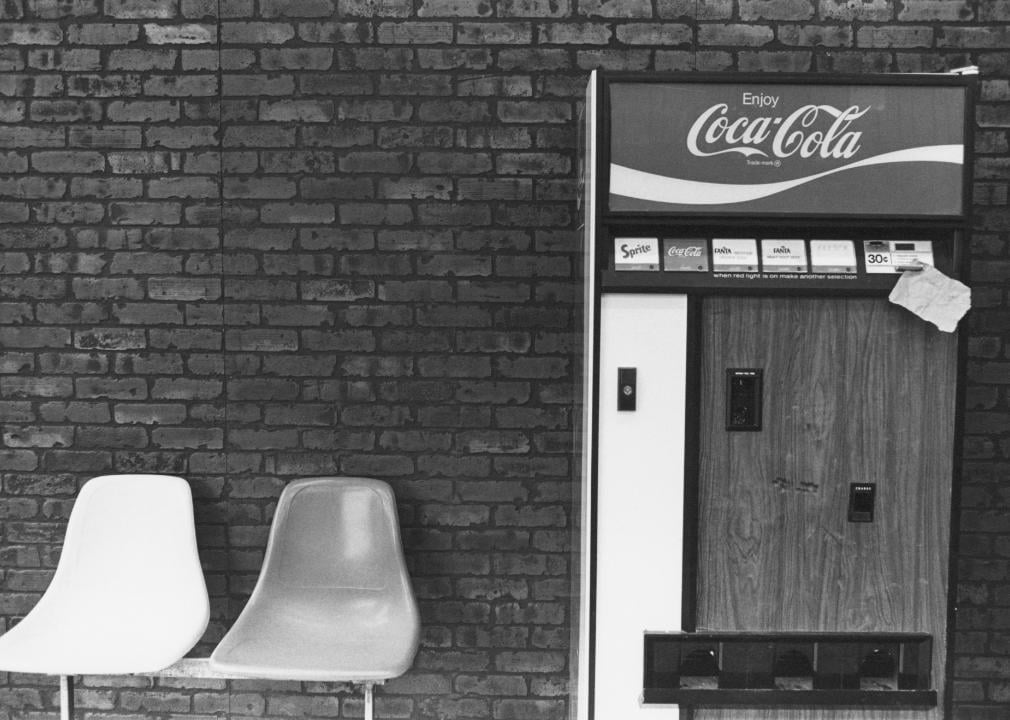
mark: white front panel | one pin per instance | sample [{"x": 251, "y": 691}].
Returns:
[{"x": 640, "y": 495}]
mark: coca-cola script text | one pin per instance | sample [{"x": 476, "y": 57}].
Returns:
[{"x": 822, "y": 131}]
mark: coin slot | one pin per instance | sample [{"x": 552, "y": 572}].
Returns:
[{"x": 743, "y": 399}]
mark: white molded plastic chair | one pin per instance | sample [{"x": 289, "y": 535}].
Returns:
[
  {"x": 128, "y": 594},
  {"x": 333, "y": 601}
]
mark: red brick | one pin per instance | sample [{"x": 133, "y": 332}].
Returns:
[
  {"x": 296, "y": 8},
  {"x": 615, "y": 8},
  {"x": 777, "y": 9},
  {"x": 927, "y": 10},
  {"x": 102, "y": 34}
]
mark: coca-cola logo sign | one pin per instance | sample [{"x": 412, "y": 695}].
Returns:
[
  {"x": 823, "y": 131},
  {"x": 797, "y": 146}
]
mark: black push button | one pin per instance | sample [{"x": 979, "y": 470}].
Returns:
[{"x": 627, "y": 389}]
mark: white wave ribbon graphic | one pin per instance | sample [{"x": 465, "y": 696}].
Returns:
[{"x": 641, "y": 185}]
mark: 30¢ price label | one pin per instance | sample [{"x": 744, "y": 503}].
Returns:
[{"x": 895, "y": 256}]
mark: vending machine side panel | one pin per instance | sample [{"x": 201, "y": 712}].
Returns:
[
  {"x": 581, "y": 606},
  {"x": 639, "y": 509}
]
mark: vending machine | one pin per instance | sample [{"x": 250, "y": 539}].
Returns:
[{"x": 774, "y": 271}]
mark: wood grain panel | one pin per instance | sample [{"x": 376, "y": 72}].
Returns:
[{"x": 856, "y": 390}]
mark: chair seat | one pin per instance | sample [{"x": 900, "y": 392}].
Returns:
[
  {"x": 128, "y": 594},
  {"x": 50, "y": 642},
  {"x": 327, "y": 636},
  {"x": 333, "y": 600}
]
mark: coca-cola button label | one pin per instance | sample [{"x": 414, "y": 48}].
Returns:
[{"x": 685, "y": 255}]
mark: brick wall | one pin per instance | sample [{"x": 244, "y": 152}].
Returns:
[{"x": 249, "y": 240}]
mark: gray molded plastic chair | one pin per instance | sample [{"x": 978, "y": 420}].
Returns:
[
  {"x": 128, "y": 594},
  {"x": 333, "y": 601}
]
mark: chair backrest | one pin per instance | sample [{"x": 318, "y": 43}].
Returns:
[
  {"x": 335, "y": 533},
  {"x": 132, "y": 533},
  {"x": 130, "y": 568}
]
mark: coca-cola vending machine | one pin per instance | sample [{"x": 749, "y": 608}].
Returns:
[{"x": 774, "y": 276}]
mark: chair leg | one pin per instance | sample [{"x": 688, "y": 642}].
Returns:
[
  {"x": 369, "y": 701},
  {"x": 66, "y": 697}
]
